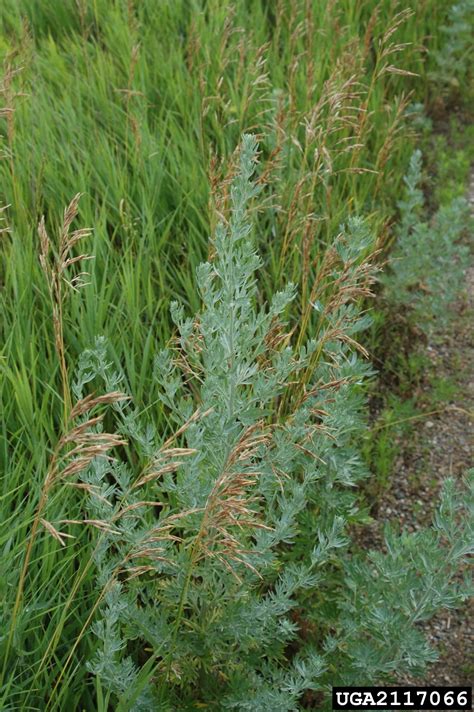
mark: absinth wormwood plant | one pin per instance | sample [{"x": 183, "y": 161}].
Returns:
[
  {"x": 238, "y": 520},
  {"x": 429, "y": 259}
]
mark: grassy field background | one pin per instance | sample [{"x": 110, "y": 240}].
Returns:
[{"x": 139, "y": 106}]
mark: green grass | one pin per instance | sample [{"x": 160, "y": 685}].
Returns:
[
  {"x": 142, "y": 159},
  {"x": 443, "y": 389},
  {"x": 385, "y": 440},
  {"x": 139, "y": 105}
]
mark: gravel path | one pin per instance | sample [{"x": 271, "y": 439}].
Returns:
[
  {"x": 444, "y": 446},
  {"x": 441, "y": 445}
]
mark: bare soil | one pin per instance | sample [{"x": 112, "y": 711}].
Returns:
[{"x": 441, "y": 446}]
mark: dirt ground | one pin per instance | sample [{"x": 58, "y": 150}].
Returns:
[{"x": 441, "y": 445}]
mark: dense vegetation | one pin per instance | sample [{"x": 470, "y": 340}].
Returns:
[{"x": 182, "y": 426}]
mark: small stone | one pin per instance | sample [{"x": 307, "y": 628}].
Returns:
[{"x": 429, "y": 424}]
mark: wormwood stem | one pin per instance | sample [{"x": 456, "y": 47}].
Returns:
[
  {"x": 148, "y": 668},
  {"x": 184, "y": 592}
]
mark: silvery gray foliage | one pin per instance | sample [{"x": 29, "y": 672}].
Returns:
[
  {"x": 391, "y": 593},
  {"x": 428, "y": 262},
  {"x": 455, "y": 57},
  {"x": 233, "y": 536}
]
